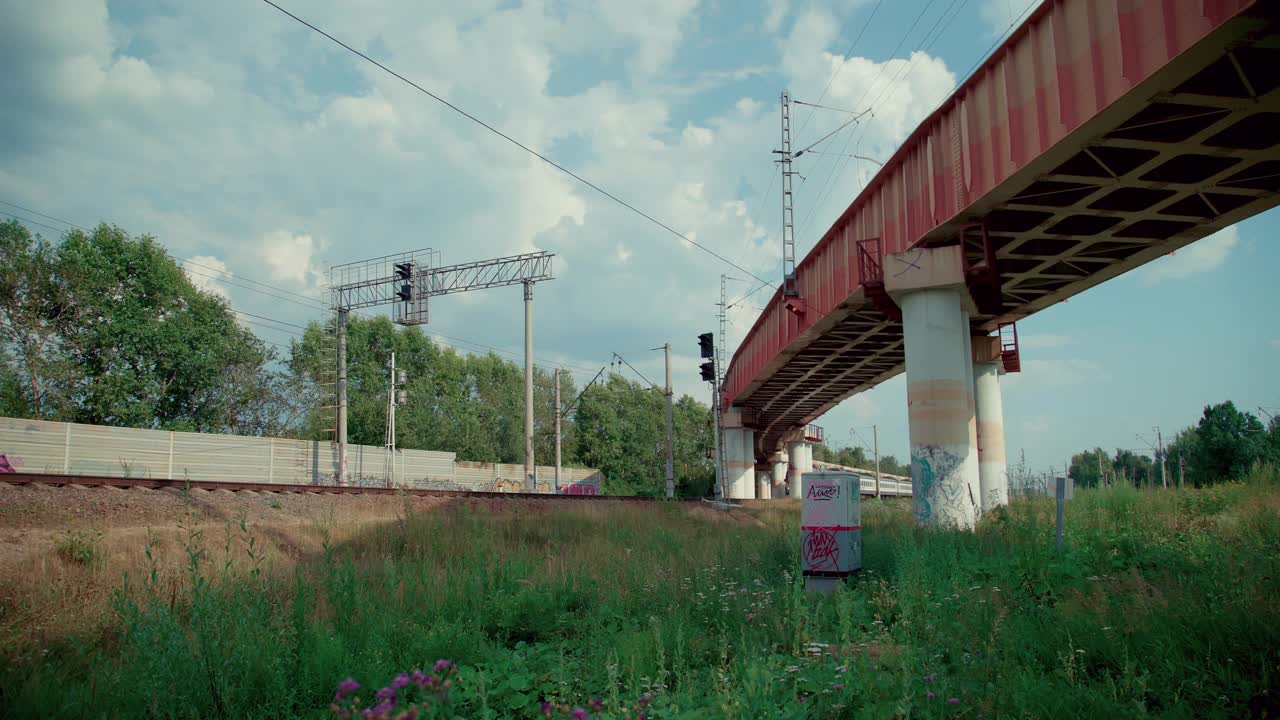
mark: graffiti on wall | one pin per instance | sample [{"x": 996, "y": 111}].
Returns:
[
  {"x": 8, "y": 464},
  {"x": 937, "y": 485}
]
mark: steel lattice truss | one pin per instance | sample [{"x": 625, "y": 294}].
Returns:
[
  {"x": 408, "y": 280},
  {"x": 513, "y": 270}
]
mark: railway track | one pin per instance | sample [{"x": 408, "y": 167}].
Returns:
[{"x": 60, "y": 480}]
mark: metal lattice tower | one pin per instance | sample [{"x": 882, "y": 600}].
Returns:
[
  {"x": 716, "y": 410},
  {"x": 788, "y": 214}
]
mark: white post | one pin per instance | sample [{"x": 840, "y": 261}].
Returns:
[
  {"x": 170, "y": 473},
  {"x": 271, "y": 460},
  {"x": 66, "y": 450}
]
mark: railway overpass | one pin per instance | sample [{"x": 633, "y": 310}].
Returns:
[{"x": 1101, "y": 135}]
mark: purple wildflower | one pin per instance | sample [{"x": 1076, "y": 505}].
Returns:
[
  {"x": 401, "y": 680},
  {"x": 380, "y": 709},
  {"x": 579, "y": 714},
  {"x": 595, "y": 704},
  {"x": 837, "y": 687},
  {"x": 802, "y": 699},
  {"x": 929, "y": 677},
  {"x": 645, "y": 699},
  {"x": 346, "y": 687},
  {"x": 930, "y": 695},
  {"x": 546, "y": 709},
  {"x": 386, "y": 693},
  {"x": 419, "y": 678},
  {"x": 954, "y": 701},
  {"x": 443, "y": 666}
]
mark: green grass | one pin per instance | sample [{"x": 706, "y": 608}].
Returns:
[{"x": 1162, "y": 604}]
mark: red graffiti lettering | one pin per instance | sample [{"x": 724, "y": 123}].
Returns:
[{"x": 820, "y": 550}]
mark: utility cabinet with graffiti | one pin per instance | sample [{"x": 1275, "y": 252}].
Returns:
[{"x": 830, "y": 529}]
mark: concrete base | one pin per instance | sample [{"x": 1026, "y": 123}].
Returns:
[
  {"x": 824, "y": 584},
  {"x": 763, "y": 481}
]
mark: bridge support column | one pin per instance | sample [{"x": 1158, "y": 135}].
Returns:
[
  {"x": 764, "y": 476},
  {"x": 799, "y": 462},
  {"x": 740, "y": 462},
  {"x": 992, "y": 466},
  {"x": 778, "y": 476},
  {"x": 928, "y": 285}
]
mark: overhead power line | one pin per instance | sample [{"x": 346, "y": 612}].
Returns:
[
  {"x": 836, "y": 73},
  {"x": 515, "y": 142}
]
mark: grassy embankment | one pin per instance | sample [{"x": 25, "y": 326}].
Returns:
[{"x": 1162, "y": 604}]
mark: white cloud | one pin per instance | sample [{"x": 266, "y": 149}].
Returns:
[
  {"x": 202, "y": 271},
  {"x": 1200, "y": 256},
  {"x": 998, "y": 14},
  {"x": 288, "y": 256},
  {"x": 1043, "y": 341}
]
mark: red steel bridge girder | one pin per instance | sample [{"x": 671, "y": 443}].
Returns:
[{"x": 1100, "y": 136}]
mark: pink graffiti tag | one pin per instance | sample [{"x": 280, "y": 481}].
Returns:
[
  {"x": 5, "y": 465},
  {"x": 820, "y": 550}
]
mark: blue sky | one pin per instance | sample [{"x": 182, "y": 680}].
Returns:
[{"x": 247, "y": 144}]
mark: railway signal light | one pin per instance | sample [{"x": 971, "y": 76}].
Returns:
[
  {"x": 708, "y": 370},
  {"x": 404, "y": 273},
  {"x": 707, "y": 345}
]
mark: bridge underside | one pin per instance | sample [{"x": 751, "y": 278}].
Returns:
[{"x": 1198, "y": 150}]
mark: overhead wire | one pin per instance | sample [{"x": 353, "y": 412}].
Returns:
[
  {"x": 514, "y": 141},
  {"x": 867, "y": 91}
]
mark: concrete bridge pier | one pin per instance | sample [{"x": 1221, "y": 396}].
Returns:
[
  {"x": 799, "y": 462},
  {"x": 740, "y": 457},
  {"x": 928, "y": 284},
  {"x": 779, "y": 469},
  {"x": 993, "y": 475},
  {"x": 764, "y": 480}
]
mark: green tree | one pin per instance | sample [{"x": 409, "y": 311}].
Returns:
[
  {"x": 695, "y": 471},
  {"x": 621, "y": 430},
  {"x": 31, "y": 305},
  {"x": 148, "y": 348},
  {"x": 1137, "y": 470},
  {"x": 1090, "y": 468},
  {"x": 1227, "y": 444}
]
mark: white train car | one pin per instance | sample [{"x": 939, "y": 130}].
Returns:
[{"x": 890, "y": 485}]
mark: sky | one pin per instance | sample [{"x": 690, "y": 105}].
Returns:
[{"x": 248, "y": 144}]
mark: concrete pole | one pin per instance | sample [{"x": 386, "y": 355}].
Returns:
[
  {"x": 940, "y": 407},
  {"x": 671, "y": 447},
  {"x": 556, "y": 379},
  {"x": 342, "y": 396},
  {"x": 875, "y": 444},
  {"x": 989, "y": 410},
  {"x": 530, "y": 470},
  {"x": 1164, "y": 478},
  {"x": 763, "y": 491}
]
